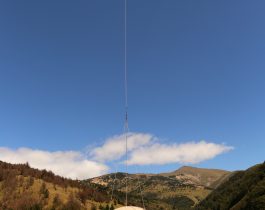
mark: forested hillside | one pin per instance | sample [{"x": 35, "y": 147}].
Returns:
[
  {"x": 243, "y": 190},
  {"x": 24, "y": 188}
]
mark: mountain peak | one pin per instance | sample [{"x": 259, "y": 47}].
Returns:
[{"x": 199, "y": 176}]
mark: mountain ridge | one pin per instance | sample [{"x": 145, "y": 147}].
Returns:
[
  {"x": 22, "y": 187},
  {"x": 182, "y": 188},
  {"x": 201, "y": 176}
]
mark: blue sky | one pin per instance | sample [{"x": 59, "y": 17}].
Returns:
[{"x": 195, "y": 72}]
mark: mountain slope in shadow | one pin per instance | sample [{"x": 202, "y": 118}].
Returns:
[{"x": 244, "y": 190}]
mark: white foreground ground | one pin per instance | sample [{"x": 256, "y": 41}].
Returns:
[{"x": 129, "y": 208}]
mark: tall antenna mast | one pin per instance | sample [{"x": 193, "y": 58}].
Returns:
[
  {"x": 126, "y": 97},
  {"x": 126, "y": 126}
]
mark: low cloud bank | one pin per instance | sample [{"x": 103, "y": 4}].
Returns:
[
  {"x": 143, "y": 149},
  {"x": 68, "y": 164}
]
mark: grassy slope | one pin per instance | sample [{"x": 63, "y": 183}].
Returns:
[{"x": 201, "y": 176}]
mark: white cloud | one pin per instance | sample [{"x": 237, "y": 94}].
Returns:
[
  {"x": 191, "y": 152},
  {"x": 145, "y": 149},
  {"x": 114, "y": 148},
  {"x": 69, "y": 164}
]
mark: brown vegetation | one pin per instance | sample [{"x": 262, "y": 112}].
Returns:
[{"x": 25, "y": 188}]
